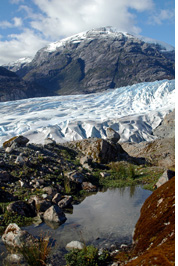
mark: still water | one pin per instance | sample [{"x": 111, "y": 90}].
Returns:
[{"x": 101, "y": 219}]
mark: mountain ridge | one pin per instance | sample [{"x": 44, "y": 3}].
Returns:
[{"x": 97, "y": 60}]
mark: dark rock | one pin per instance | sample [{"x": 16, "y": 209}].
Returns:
[
  {"x": 41, "y": 205},
  {"x": 75, "y": 176},
  {"x": 65, "y": 202},
  {"x": 112, "y": 135},
  {"x": 21, "y": 208}
]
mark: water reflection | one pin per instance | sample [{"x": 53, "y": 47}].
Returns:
[
  {"x": 102, "y": 219},
  {"x": 111, "y": 214}
]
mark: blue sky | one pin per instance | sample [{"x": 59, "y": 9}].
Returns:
[{"x": 28, "y": 25}]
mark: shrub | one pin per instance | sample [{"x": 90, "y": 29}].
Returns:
[{"x": 88, "y": 256}]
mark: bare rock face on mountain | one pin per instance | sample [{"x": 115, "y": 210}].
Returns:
[
  {"x": 97, "y": 60},
  {"x": 14, "y": 88}
]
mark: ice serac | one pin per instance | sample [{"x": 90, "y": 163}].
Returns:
[
  {"x": 132, "y": 111},
  {"x": 97, "y": 60}
]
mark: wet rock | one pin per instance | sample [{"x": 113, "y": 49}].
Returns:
[
  {"x": 21, "y": 208},
  {"x": 55, "y": 214},
  {"x": 15, "y": 237},
  {"x": 166, "y": 176},
  {"x": 57, "y": 198},
  {"x": 65, "y": 202},
  {"x": 75, "y": 245}
]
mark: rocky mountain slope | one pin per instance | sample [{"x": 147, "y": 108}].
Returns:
[
  {"x": 14, "y": 88},
  {"x": 160, "y": 151},
  {"x": 96, "y": 60}
]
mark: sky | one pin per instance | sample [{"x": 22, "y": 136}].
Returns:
[{"x": 28, "y": 25}]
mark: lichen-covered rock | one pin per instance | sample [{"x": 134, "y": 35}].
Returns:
[
  {"x": 15, "y": 237},
  {"x": 154, "y": 236},
  {"x": 100, "y": 150}
]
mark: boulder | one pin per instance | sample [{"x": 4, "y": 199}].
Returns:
[
  {"x": 50, "y": 191},
  {"x": 75, "y": 245},
  {"x": 49, "y": 141},
  {"x": 20, "y": 141},
  {"x": 41, "y": 205},
  {"x": 4, "y": 176},
  {"x": 112, "y": 135},
  {"x": 86, "y": 160},
  {"x": 55, "y": 214},
  {"x": 19, "y": 160},
  {"x": 75, "y": 176},
  {"x": 15, "y": 237},
  {"x": 167, "y": 175},
  {"x": 56, "y": 198},
  {"x": 65, "y": 202},
  {"x": 154, "y": 235},
  {"x": 89, "y": 187},
  {"x": 100, "y": 150},
  {"x": 21, "y": 208}
]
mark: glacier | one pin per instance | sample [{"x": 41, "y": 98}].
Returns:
[{"x": 133, "y": 111}]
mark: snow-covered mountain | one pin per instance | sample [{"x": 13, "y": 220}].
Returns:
[
  {"x": 97, "y": 60},
  {"x": 18, "y": 64},
  {"x": 133, "y": 111}
]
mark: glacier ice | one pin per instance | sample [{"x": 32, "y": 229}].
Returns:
[{"x": 133, "y": 111}]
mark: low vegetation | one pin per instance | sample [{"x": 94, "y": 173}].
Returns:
[{"x": 88, "y": 256}]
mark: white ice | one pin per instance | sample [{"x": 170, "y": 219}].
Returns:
[{"x": 133, "y": 111}]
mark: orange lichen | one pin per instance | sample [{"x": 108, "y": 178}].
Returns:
[{"x": 154, "y": 236}]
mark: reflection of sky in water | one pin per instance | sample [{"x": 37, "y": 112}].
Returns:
[{"x": 105, "y": 217}]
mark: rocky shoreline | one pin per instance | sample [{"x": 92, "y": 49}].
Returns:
[{"x": 44, "y": 181}]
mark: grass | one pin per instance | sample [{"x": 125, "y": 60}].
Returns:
[
  {"x": 37, "y": 253},
  {"x": 126, "y": 174}
]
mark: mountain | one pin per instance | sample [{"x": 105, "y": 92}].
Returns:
[
  {"x": 18, "y": 64},
  {"x": 99, "y": 59},
  {"x": 12, "y": 87},
  {"x": 133, "y": 111}
]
